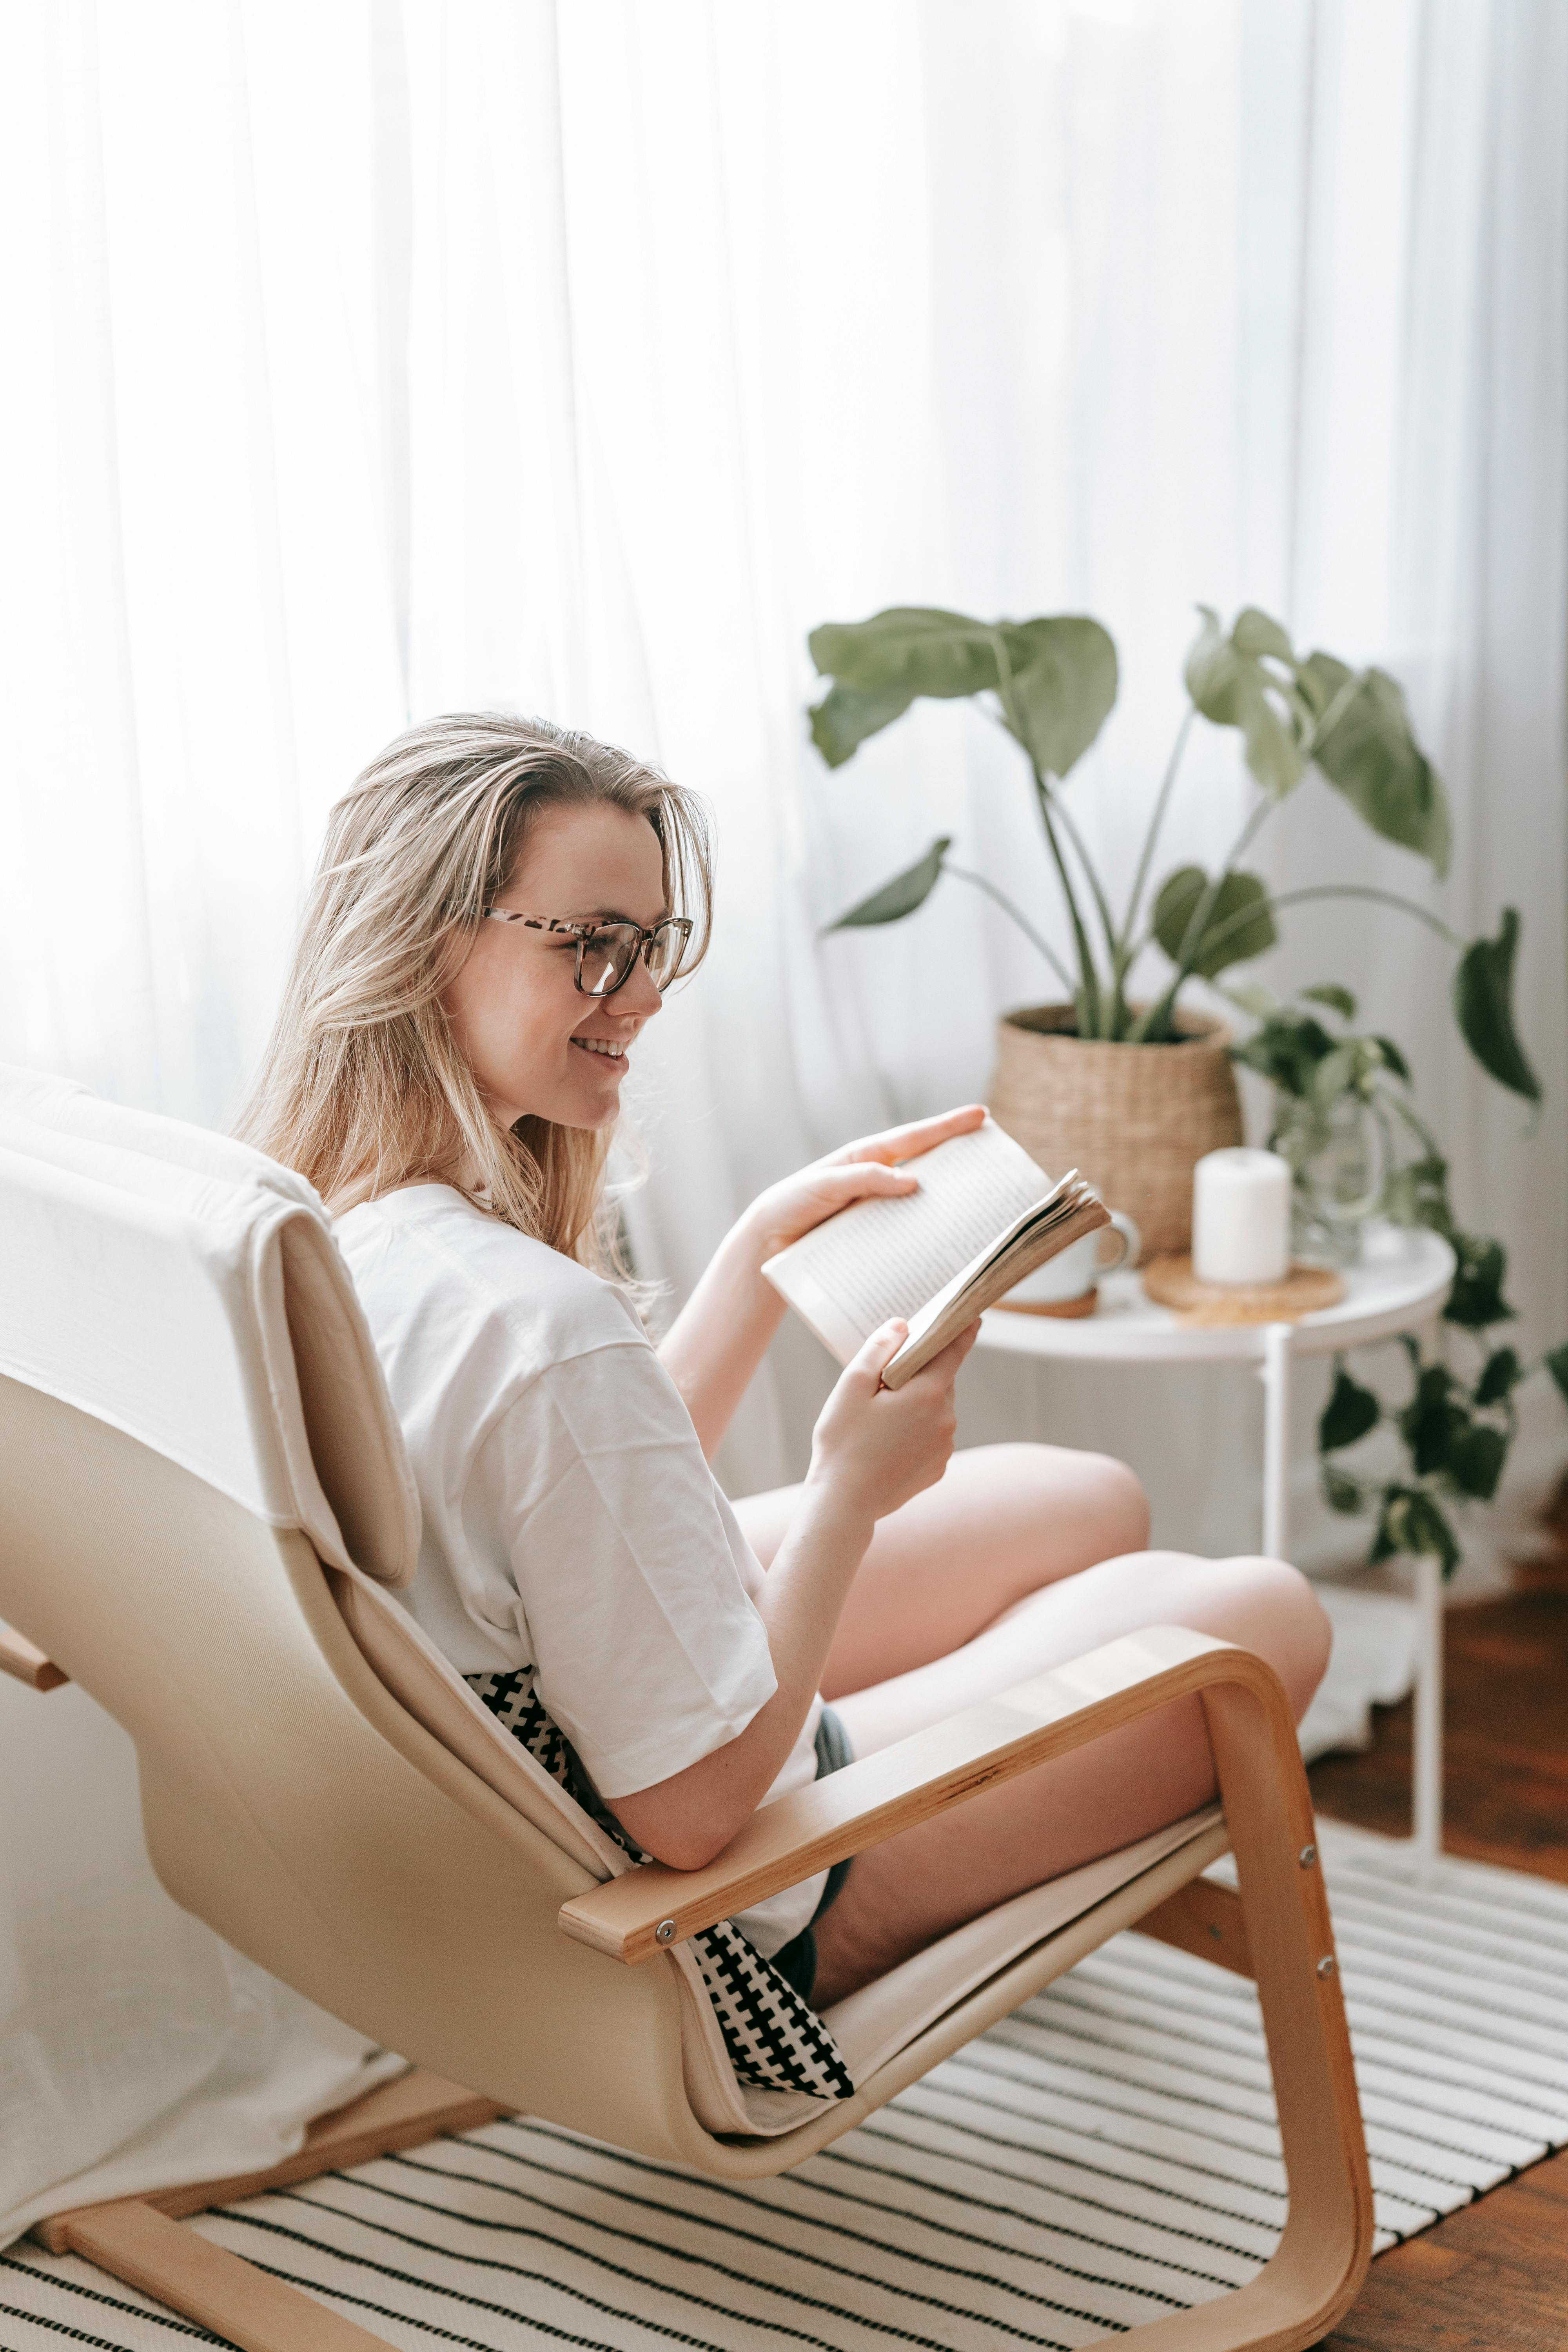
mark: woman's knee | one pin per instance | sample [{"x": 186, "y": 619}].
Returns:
[
  {"x": 1277, "y": 1613},
  {"x": 1118, "y": 1502},
  {"x": 1099, "y": 1494}
]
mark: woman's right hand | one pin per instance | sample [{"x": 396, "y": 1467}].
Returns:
[{"x": 874, "y": 1447}]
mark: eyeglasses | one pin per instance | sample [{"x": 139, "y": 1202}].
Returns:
[{"x": 607, "y": 952}]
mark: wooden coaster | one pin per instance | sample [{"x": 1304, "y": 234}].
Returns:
[
  {"x": 1306, "y": 1290},
  {"x": 1085, "y": 1304}
]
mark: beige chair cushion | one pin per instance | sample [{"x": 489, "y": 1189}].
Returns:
[{"x": 188, "y": 1291}]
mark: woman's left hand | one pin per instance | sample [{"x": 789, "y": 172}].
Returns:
[{"x": 856, "y": 1172}]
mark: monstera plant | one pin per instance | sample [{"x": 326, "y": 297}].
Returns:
[{"x": 1302, "y": 721}]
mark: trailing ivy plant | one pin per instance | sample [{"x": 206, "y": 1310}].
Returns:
[
  {"x": 1452, "y": 1430},
  {"x": 1051, "y": 683}
]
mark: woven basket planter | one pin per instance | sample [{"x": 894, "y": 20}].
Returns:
[{"x": 1134, "y": 1119}]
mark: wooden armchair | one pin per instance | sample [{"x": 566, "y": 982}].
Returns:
[{"x": 320, "y": 1788}]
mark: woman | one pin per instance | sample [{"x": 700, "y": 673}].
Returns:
[{"x": 498, "y": 908}]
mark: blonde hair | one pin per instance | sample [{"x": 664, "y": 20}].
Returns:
[{"x": 363, "y": 1088}]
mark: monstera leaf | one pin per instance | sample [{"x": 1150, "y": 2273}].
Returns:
[
  {"x": 1063, "y": 687},
  {"x": 841, "y": 721},
  {"x": 1060, "y": 677},
  {"x": 902, "y": 895},
  {"x": 1368, "y": 752},
  {"x": 1229, "y": 685},
  {"x": 911, "y": 645},
  {"x": 1239, "y": 924},
  {"x": 1483, "y": 1006},
  {"x": 1353, "y": 726}
]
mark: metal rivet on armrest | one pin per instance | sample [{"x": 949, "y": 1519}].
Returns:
[
  {"x": 1308, "y": 1856},
  {"x": 665, "y": 1931},
  {"x": 1327, "y": 1966}
]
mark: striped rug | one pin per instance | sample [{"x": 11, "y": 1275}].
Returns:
[{"x": 1106, "y": 2154}]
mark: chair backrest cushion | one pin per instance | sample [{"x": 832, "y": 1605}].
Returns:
[{"x": 187, "y": 1290}]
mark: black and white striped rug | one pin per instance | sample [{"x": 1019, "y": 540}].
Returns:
[{"x": 1107, "y": 2154}]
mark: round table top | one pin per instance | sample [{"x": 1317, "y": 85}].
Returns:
[{"x": 1402, "y": 1278}]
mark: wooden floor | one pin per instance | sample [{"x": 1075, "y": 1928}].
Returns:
[{"x": 1493, "y": 2278}]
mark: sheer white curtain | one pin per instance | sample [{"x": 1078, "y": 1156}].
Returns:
[{"x": 384, "y": 357}]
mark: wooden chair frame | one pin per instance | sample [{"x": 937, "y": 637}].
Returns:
[{"x": 1275, "y": 1930}]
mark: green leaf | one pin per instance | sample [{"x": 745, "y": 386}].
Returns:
[
  {"x": 902, "y": 895},
  {"x": 1500, "y": 1375},
  {"x": 1239, "y": 927},
  {"x": 1431, "y": 1532},
  {"x": 1483, "y": 1006},
  {"x": 1062, "y": 672},
  {"x": 1394, "y": 1059},
  {"x": 1286, "y": 1051},
  {"x": 1417, "y": 1194},
  {"x": 1064, "y": 686},
  {"x": 1475, "y": 1300},
  {"x": 1212, "y": 670},
  {"x": 1342, "y": 1492},
  {"x": 845, "y": 717},
  {"x": 1251, "y": 997},
  {"x": 1410, "y": 1522},
  {"x": 1350, "y": 1413},
  {"x": 1369, "y": 753},
  {"x": 1328, "y": 992},
  {"x": 1256, "y": 633},
  {"x": 1431, "y": 1423},
  {"x": 1475, "y": 1462},
  {"x": 1337, "y": 1073},
  {"x": 1557, "y": 1365},
  {"x": 1229, "y": 685},
  {"x": 915, "y": 647}
]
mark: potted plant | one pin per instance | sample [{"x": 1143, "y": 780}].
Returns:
[{"x": 1133, "y": 1092}]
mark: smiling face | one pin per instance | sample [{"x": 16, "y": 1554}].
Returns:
[{"x": 538, "y": 1048}]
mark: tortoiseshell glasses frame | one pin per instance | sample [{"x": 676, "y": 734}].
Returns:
[{"x": 608, "y": 953}]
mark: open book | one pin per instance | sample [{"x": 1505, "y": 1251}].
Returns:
[{"x": 984, "y": 1218}]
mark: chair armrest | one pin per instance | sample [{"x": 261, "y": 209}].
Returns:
[
  {"x": 910, "y": 1783},
  {"x": 19, "y": 1656}
]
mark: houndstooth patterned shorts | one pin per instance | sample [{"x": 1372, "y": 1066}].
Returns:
[{"x": 774, "y": 2037}]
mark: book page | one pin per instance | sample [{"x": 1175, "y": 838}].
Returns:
[{"x": 885, "y": 1257}]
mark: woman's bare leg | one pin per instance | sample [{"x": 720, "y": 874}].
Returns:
[
  {"x": 1003, "y": 1521},
  {"x": 902, "y": 1895}
]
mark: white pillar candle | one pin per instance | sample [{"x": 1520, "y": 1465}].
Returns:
[{"x": 1241, "y": 1217}]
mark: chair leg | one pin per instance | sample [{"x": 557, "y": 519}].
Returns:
[
  {"x": 134, "y": 2241},
  {"x": 1317, "y": 2270},
  {"x": 139, "y": 2240},
  {"x": 1323, "y": 2258},
  {"x": 1277, "y": 1932}
]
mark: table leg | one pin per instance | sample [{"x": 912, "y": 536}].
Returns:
[
  {"x": 1426, "y": 1763},
  {"x": 1276, "y": 1377}
]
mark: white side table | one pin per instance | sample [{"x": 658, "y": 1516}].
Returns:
[{"x": 1400, "y": 1285}]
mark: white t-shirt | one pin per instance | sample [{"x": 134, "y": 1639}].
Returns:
[{"x": 571, "y": 1523}]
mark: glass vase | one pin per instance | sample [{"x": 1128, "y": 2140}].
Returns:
[{"x": 1336, "y": 1166}]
